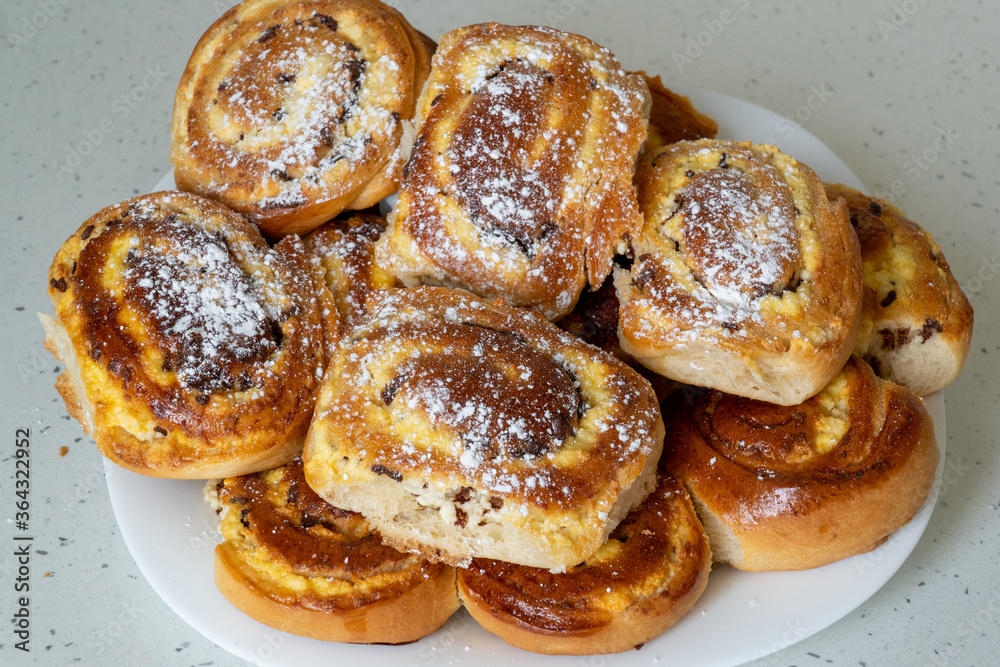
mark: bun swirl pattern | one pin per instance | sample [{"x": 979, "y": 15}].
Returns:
[
  {"x": 291, "y": 111},
  {"x": 746, "y": 278},
  {"x": 649, "y": 573},
  {"x": 192, "y": 348},
  {"x": 461, "y": 428},
  {"x": 795, "y": 487},
  {"x": 298, "y": 564},
  {"x": 519, "y": 184}
]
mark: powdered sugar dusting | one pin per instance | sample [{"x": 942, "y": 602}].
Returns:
[
  {"x": 207, "y": 311},
  {"x": 477, "y": 390},
  {"x": 733, "y": 225},
  {"x": 345, "y": 250},
  {"x": 740, "y": 240},
  {"x": 522, "y": 144},
  {"x": 300, "y": 113}
]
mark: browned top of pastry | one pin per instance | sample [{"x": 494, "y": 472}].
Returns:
[
  {"x": 519, "y": 183},
  {"x": 742, "y": 249},
  {"x": 290, "y": 111},
  {"x": 197, "y": 342},
  {"x": 440, "y": 384},
  {"x": 658, "y": 551},
  {"x": 751, "y": 461},
  {"x": 276, "y": 523}
]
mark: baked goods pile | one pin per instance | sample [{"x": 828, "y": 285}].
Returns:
[{"x": 400, "y": 426}]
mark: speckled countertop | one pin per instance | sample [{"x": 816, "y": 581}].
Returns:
[{"x": 905, "y": 92}]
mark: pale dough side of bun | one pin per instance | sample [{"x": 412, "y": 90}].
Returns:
[
  {"x": 924, "y": 367},
  {"x": 784, "y": 376},
  {"x": 406, "y": 618},
  {"x": 409, "y": 518},
  {"x": 69, "y": 384}
]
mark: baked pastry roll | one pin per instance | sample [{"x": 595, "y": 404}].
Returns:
[
  {"x": 649, "y": 573},
  {"x": 291, "y": 111},
  {"x": 746, "y": 277},
  {"x": 298, "y": 564},
  {"x": 192, "y": 349},
  {"x": 916, "y": 323},
  {"x": 519, "y": 184},
  {"x": 796, "y": 487},
  {"x": 673, "y": 118},
  {"x": 345, "y": 249},
  {"x": 463, "y": 429}
]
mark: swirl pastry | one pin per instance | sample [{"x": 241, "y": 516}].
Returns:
[
  {"x": 673, "y": 118},
  {"x": 795, "y": 487},
  {"x": 916, "y": 323},
  {"x": 466, "y": 429},
  {"x": 746, "y": 278},
  {"x": 298, "y": 564},
  {"x": 345, "y": 249},
  {"x": 292, "y": 111},
  {"x": 519, "y": 184},
  {"x": 192, "y": 349},
  {"x": 652, "y": 570}
]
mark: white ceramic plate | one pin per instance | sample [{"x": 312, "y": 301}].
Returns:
[{"x": 171, "y": 533}]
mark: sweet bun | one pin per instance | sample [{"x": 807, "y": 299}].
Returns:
[
  {"x": 345, "y": 249},
  {"x": 916, "y": 322},
  {"x": 192, "y": 349},
  {"x": 290, "y": 111},
  {"x": 796, "y": 487},
  {"x": 519, "y": 184},
  {"x": 651, "y": 571},
  {"x": 298, "y": 564},
  {"x": 746, "y": 278},
  {"x": 462, "y": 429}
]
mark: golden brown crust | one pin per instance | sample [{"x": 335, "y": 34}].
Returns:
[
  {"x": 802, "y": 486},
  {"x": 673, "y": 118},
  {"x": 916, "y": 321},
  {"x": 291, "y": 111},
  {"x": 650, "y": 573},
  {"x": 462, "y": 428},
  {"x": 298, "y": 564},
  {"x": 519, "y": 184},
  {"x": 746, "y": 278},
  {"x": 345, "y": 249},
  {"x": 200, "y": 349}
]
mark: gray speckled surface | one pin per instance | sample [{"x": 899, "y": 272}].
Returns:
[{"x": 85, "y": 97}]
